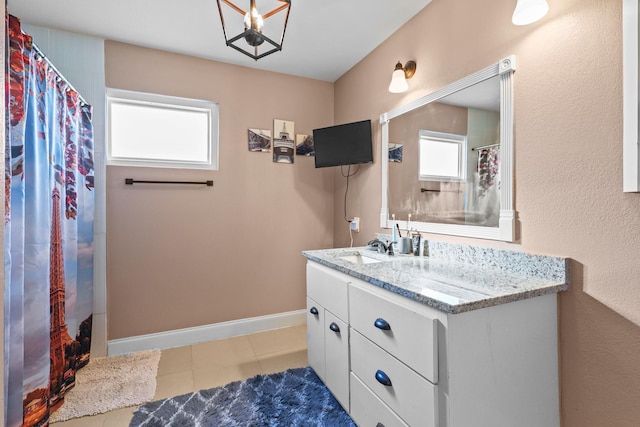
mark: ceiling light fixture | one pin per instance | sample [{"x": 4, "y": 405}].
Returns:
[
  {"x": 400, "y": 75},
  {"x": 250, "y": 28},
  {"x": 529, "y": 11}
]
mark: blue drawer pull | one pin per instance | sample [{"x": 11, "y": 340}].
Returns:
[
  {"x": 314, "y": 311},
  {"x": 383, "y": 378},
  {"x": 334, "y": 327},
  {"x": 382, "y": 324}
]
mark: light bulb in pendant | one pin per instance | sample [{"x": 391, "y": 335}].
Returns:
[{"x": 253, "y": 21}]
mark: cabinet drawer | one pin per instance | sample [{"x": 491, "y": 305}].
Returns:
[
  {"x": 329, "y": 288},
  {"x": 408, "y": 394},
  {"x": 367, "y": 410},
  {"x": 407, "y": 334}
]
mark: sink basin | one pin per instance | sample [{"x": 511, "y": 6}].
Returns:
[{"x": 359, "y": 259}]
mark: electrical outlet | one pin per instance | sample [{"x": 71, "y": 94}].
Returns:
[{"x": 355, "y": 224}]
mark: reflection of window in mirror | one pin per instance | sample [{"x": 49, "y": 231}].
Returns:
[{"x": 442, "y": 156}]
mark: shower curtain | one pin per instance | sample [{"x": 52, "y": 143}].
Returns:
[
  {"x": 488, "y": 169},
  {"x": 48, "y": 247},
  {"x": 488, "y": 179}
]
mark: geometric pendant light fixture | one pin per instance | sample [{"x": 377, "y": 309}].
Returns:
[
  {"x": 255, "y": 37},
  {"x": 529, "y": 11}
]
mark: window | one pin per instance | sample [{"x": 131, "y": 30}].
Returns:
[
  {"x": 162, "y": 131},
  {"x": 442, "y": 156}
]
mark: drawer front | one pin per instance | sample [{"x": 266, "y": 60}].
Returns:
[
  {"x": 315, "y": 337},
  {"x": 336, "y": 338},
  {"x": 367, "y": 410},
  {"x": 329, "y": 288},
  {"x": 402, "y": 331},
  {"x": 408, "y": 394}
]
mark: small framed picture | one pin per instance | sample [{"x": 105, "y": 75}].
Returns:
[
  {"x": 260, "y": 140},
  {"x": 395, "y": 153},
  {"x": 283, "y": 143},
  {"x": 304, "y": 145}
]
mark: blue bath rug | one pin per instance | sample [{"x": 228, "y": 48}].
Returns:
[{"x": 296, "y": 397}]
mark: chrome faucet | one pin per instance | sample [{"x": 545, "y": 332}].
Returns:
[{"x": 382, "y": 248}]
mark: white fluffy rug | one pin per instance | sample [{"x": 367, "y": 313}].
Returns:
[{"x": 109, "y": 383}]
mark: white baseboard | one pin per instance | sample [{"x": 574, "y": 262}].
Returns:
[{"x": 216, "y": 331}]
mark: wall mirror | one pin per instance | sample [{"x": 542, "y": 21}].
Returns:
[{"x": 447, "y": 158}]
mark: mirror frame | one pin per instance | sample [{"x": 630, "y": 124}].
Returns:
[
  {"x": 505, "y": 230},
  {"x": 630, "y": 97}
]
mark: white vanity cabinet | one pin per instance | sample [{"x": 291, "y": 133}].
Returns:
[
  {"x": 328, "y": 329},
  {"x": 409, "y": 364}
]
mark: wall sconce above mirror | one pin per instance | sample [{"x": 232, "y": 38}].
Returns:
[
  {"x": 447, "y": 158},
  {"x": 401, "y": 75}
]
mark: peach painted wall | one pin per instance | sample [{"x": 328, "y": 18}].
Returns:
[
  {"x": 568, "y": 162},
  {"x": 180, "y": 257}
]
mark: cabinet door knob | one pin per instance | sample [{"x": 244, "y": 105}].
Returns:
[
  {"x": 383, "y": 378},
  {"x": 382, "y": 324},
  {"x": 334, "y": 327},
  {"x": 314, "y": 311}
]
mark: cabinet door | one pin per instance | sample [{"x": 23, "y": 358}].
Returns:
[
  {"x": 315, "y": 337},
  {"x": 337, "y": 358}
]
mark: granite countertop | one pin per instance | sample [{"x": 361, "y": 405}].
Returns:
[{"x": 455, "y": 278}]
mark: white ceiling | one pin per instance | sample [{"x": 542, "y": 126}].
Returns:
[{"x": 324, "y": 38}]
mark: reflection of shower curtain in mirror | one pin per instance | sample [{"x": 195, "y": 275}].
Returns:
[
  {"x": 488, "y": 170},
  {"x": 486, "y": 200},
  {"x": 48, "y": 247}
]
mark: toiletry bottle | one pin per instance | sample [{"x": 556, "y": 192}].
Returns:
[{"x": 416, "y": 244}]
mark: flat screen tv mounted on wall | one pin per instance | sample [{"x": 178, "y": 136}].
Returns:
[{"x": 347, "y": 144}]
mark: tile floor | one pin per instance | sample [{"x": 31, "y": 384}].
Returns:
[{"x": 212, "y": 364}]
